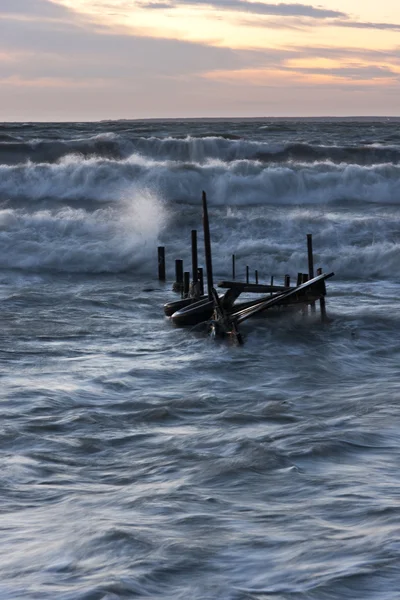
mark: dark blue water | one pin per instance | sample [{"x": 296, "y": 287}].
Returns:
[{"x": 144, "y": 461}]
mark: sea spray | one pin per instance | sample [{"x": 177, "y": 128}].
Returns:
[{"x": 114, "y": 238}]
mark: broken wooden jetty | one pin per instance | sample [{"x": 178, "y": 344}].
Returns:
[{"x": 221, "y": 311}]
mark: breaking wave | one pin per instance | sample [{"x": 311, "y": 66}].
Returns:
[
  {"x": 110, "y": 239},
  {"x": 240, "y": 182},
  {"x": 197, "y": 149}
]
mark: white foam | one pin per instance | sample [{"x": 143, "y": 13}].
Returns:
[
  {"x": 240, "y": 182},
  {"x": 115, "y": 238}
]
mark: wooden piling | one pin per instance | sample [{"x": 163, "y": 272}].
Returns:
[
  {"x": 310, "y": 263},
  {"x": 178, "y": 285},
  {"x": 161, "y": 263},
  {"x": 207, "y": 247},
  {"x": 200, "y": 279},
  {"x": 247, "y": 275},
  {"x": 287, "y": 280},
  {"x": 194, "y": 256},
  {"x": 322, "y": 304},
  {"x": 186, "y": 284},
  {"x": 299, "y": 279},
  {"x": 256, "y": 276},
  {"x": 272, "y": 282},
  {"x": 304, "y": 279},
  {"x": 233, "y": 267}
]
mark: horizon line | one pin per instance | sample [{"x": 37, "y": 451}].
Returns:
[{"x": 219, "y": 118}]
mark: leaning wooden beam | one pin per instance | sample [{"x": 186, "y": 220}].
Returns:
[{"x": 279, "y": 299}]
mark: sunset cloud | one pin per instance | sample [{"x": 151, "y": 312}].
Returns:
[
  {"x": 88, "y": 65},
  {"x": 261, "y": 8},
  {"x": 38, "y": 9}
]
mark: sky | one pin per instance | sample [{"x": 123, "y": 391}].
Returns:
[{"x": 88, "y": 60}]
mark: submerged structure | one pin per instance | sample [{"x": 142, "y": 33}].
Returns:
[{"x": 221, "y": 311}]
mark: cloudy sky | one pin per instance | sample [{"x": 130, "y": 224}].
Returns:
[{"x": 110, "y": 59}]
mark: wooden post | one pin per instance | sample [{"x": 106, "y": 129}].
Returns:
[
  {"x": 322, "y": 305},
  {"x": 247, "y": 274},
  {"x": 256, "y": 275},
  {"x": 299, "y": 279},
  {"x": 194, "y": 255},
  {"x": 287, "y": 281},
  {"x": 186, "y": 284},
  {"x": 304, "y": 279},
  {"x": 272, "y": 283},
  {"x": 207, "y": 247},
  {"x": 233, "y": 267},
  {"x": 200, "y": 278},
  {"x": 310, "y": 264},
  {"x": 161, "y": 263},
  {"x": 178, "y": 285}
]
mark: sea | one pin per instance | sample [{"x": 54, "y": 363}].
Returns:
[{"x": 142, "y": 460}]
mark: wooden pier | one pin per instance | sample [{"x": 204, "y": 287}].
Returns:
[{"x": 221, "y": 311}]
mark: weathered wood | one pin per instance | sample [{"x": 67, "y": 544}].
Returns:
[
  {"x": 171, "y": 307},
  {"x": 161, "y": 263},
  {"x": 233, "y": 266},
  {"x": 322, "y": 304},
  {"x": 200, "y": 278},
  {"x": 193, "y": 313},
  {"x": 247, "y": 275},
  {"x": 287, "y": 280},
  {"x": 207, "y": 247},
  {"x": 310, "y": 264},
  {"x": 310, "y": 256},
  {"x": 256, "y": 276},
  {"x": 253, "y": 288},
  {"x": 221, "y": 324},
  {"x": 186, "y": 284},
  {"x": 304, "y": 308},
  {"x": 178, "y": 285},
  {"x": 194, "y": 256},
  {"x": 280, "y": 298}
]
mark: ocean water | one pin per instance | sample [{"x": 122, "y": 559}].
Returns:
[{"x": 139, "y": 460}]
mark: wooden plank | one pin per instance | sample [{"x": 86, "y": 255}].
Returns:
[
  {"x": 252, "y": 288},
  {"x": 280, "y": 298}
]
